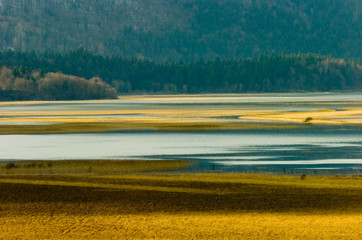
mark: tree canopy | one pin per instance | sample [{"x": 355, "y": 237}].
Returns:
[
  {"x": 22, "y": 84},
  {"x": 187, "y": 30},
  {"x": 266, "y": 73}
]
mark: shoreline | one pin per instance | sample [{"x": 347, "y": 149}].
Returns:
[
  {"x": 56, "y": 167},
  {"x": 168, "y": 166}
]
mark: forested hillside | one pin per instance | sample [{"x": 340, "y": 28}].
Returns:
[
  {"x": 187, "y": 30},
  {"x": 278, "y": 73}
]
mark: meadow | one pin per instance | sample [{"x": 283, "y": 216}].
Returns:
[{"x": 178, "y": 206}]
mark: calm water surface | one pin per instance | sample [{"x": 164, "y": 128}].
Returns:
[
  {"x": 319, "y": 150},
  {"x": 287, "y": 101}
]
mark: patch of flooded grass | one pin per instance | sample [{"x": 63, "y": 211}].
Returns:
[
  {"x": 138, "y": 124},
  {"x": 90, "y": 166}
]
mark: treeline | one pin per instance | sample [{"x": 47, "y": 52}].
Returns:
[
  {"x": 21, "y": 83},
  {"x": 279, "y": 73}
]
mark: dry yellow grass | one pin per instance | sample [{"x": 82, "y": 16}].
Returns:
[
  {"x": 183, "y": 226},
  {"x": 352, "y": 116},
  {"x": 170, "y": 120},
  {"x": 180, "y": 206},
  {"x": 100, "y": 126},
  {"x": 215, "y": 112}
]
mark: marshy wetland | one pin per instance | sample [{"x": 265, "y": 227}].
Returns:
[
  {"x": 283, "y": 133},
  {"x": 257, "y": 166},
  {"x": 182, "y": 113}
]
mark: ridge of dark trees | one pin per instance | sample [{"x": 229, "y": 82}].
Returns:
[{"x": 266, "y": 73}]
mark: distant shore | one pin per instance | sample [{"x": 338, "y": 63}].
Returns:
[{"x": 210, "y": 112}]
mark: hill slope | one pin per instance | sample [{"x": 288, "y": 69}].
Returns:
[{"x": 184, "y": 29}]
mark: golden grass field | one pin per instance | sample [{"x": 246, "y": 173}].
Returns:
[
  {"x": 177, "y": 206},
  {"x": 183, "y": 117}
]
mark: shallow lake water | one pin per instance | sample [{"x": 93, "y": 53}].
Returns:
[
  {"x": 316, "y": 149},
  {"x": 286, "y": 101},
  {"x": 319, "y": 150}
]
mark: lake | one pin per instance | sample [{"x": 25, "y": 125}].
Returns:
[{"x": 310, "y": 148}]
